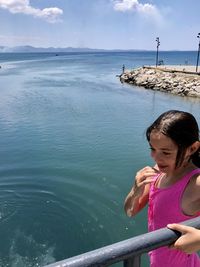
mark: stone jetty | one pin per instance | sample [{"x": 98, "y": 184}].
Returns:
[{"x": 179, "y": 80}]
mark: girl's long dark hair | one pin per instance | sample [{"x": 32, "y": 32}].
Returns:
[{"x": 182, "y": 128}]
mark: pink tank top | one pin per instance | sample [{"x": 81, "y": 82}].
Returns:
[{"x": 165, "y": 207}]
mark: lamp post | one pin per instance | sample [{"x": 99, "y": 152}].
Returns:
[
  {"x": 198, "y": 36},
  {"x": 158, "y": 44}
]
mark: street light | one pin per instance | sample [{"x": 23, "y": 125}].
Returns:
[
  {"x": 198, "y": 36},
  {"x": 158, "y": 44}
]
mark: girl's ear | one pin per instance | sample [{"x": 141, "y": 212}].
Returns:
[{"x": 194, "y": 147}]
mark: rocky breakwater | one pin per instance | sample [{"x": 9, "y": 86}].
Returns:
[{"x": 179, "y": 82}]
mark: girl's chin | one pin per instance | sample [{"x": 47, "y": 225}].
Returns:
[{"x": 162, "y": 168}]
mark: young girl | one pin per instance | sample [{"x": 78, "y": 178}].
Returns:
[{"x": 172, "y": 187}]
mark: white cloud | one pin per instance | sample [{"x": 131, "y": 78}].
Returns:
[
  {"x": 134, "y": 5},
  {"x": 51, "y": 14}
]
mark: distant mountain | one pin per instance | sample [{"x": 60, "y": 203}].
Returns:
[
  {"x": 27, "y": 48},
  {"x": 31, "y": 49}
]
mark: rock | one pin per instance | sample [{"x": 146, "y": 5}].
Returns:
[{"x": 184, "y": 84}]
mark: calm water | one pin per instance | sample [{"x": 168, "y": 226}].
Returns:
[{"x": 71, "y": 139}]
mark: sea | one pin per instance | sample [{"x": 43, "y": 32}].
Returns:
[{"x": 72, "y": 137}]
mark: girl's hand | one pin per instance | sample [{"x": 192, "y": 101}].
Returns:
[
  {"x": 142, "y": 178},
  {"x": 189, "y": 242},
  {"x": 139, "y": 194}
]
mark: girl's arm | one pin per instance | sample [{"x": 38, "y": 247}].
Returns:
[
  {"x": 139, "y": 194},
  {"x": 134, "y": 203},
  {"x": 189, "y": 241}
]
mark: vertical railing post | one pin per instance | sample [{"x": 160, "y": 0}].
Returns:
[{"x": 133, "y": 262}]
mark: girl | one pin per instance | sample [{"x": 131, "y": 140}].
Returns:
[{"x": 171, "y": 188}]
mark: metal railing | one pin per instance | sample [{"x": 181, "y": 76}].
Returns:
[{"x": 129, "y": 251}]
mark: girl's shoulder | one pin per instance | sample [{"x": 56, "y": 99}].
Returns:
[
  {"x": 191, "y": 175},
  {"x": 194, "y": 183},
  {"x": 197, "y": 178},
  {"x": 195, "y": 174},
  {"x": 192, "y": 193}
]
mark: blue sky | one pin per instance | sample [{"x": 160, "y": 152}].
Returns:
[{"x": 107, "y": 24}]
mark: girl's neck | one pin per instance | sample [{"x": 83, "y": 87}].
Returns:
[{"x": 168, "y": 179}]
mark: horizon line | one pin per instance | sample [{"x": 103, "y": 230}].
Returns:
[{"x": 88, "y": 48}]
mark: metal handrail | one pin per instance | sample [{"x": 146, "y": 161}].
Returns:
[{"x": 129, "y": 251}]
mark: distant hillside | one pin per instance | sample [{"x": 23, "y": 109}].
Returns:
[{"x": 31, "y": 49}]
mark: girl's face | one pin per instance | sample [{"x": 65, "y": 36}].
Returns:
[{"x": 163, "y": 151}]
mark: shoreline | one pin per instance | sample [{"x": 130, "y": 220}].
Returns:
[{"x": 181, "y": 80}]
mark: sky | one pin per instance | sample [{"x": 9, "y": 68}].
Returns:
[{"x": 103, "y": 24}]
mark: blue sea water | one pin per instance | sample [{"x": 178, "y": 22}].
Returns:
[{"x": 71, "y": 139}]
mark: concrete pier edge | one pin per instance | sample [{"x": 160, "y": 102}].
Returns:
[{"x": 174, "y": 79}]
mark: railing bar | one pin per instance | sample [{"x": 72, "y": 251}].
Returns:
[{"x": 126, "y": 249}]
